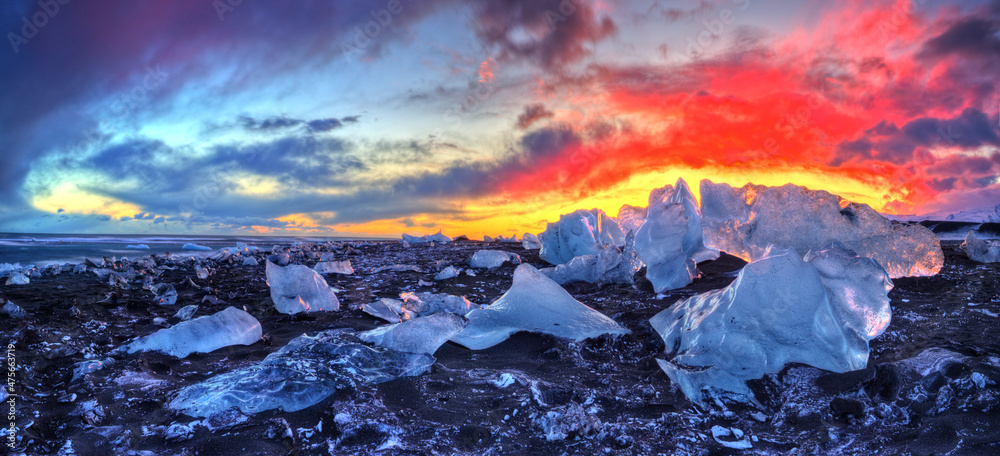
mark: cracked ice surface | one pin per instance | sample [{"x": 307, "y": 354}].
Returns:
[
  {"x": 534, "y": 303},
  {"x": 227, "y": 327},
  {"x": 301, "y": 374},
  {"x": 745, "y": 221},
  {"x": 579, "y": 233},
  {"x": 820, "y": 311},
  {"x": 297, "y": 288}
]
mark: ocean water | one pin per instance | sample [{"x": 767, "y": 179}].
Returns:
[{"x": 44, "y": 249}]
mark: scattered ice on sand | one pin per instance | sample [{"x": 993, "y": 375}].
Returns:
[
  {"x": 201, "y": 335},
  {"x": 534, "y": 303},
  {"x": 296, "y": 288}
]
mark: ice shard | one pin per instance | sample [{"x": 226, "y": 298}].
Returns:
[
  {"x": 419, "y": 335},
  {"x": 334, "y": 267},
  {"x": 530, "y": 242},
  {"x": 296, "y": 288},
  {"x": 534, "y": 303},
  {"x": 492, "y": 259},
  {"x": 745, "y": 221},
  {"x": 630, "y": 217},
  {"x": 579, "y": 233},
  {"x": 670, "y": 241},
  {"x": 981, "y": 250},
  {"x": 301, "y": 374},
  {"x": 616, "y": 265},
  {"x": 231, "y": 326},
  {"x": 821, "y": 310}
]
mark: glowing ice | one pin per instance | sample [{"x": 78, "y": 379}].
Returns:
[
  {"x": 296, "y": 288},
  {"x": 821, "y": 311},
  {"x": 669, "y": 240},
  {"x": 301, "y": 374},
  {"x": 534, "y": 303},
  {"x": 492, "y": 259},
  {"x": 579, "y": 233},
  {"x": 413, "y": 305},
  {"x": 744, "y": 221},
  {"x": 201, "y": 335},
  {"x": 981, "y": 250},
  {"x": 419, "y": 335},
  {"x": 334, "y": 267},
  {"x": 630, "y": 218}
]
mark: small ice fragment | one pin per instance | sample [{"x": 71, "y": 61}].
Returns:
[
  {"x": 14, "y": 311},
  {"x": 201, "y": 335},
  {"x": 981, "y": 250},
  {"x": 505, "y": 380},
  {"x": 137, "y": 247},
  {"x": 537, "y": 304},
  {"x": 438, "y": 238},
  {"x": 385, "y": 308},
  {"x": 487, "y": 238},
  {"x": 296, "y": 288},
  {"x": 424, "y": 283},
  {"x": 447, "y": 273},
  {"x": 731, "y": 438},
  {"x": 419, "y": 335},
  {"x": 334, "y": 267},
  {"x": 530, "y": 242},
  {"x": 190, "y": 246},
  {"x": 186, "y": 312},
  {"x": 492, "y": 259},
  {"x": 17, "y": 278},
  {"x": 398, "y": 268},
  {"x": 250, "y": 261},
  {"x": 201, "y": 272},
  {"x": 164, "y": 294}
]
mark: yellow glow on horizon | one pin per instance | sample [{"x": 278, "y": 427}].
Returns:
[{"x": 72, "y": 200}]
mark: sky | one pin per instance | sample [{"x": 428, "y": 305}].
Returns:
[{"x": 373, "y": 118}]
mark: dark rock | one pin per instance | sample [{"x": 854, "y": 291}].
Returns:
[{"x": 843, "y": 408}]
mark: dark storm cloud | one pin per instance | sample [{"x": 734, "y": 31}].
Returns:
[
  {"x": 532, "y": 113},
  {"x": 974, "y": 36}
]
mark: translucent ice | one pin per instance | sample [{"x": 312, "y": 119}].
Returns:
[
  {"x": 981, "y": 250},
  {"x": 438, "y": 238},
  {"x": 413, "y": 305},
  {"x": 534, "y": 303},
  {"x": 296, "y": 288},
  {"x": 164, "y": 294},
  {"x": 14, "y": 311},
  {"x": 492, "y": 259},
  {"x": 447, "y": 273},
  {"x": 419, "y": 335},
  {"x": 186, "y": 312},
  {"x": 579, "y": 233},
  {"x": 611, "y": 265},
  {"x": 17, "y": 278},
  {"x": 744, "y": 221},
  {"x": 190, "y": 246},
  {"x": 201, "y": 335},
  {"x": 821, "y": 311},
  {"x": 301, "y": 374},
  {"x": 137, "y": 247},
  {"x": 530, "y": 242},
  {"x": 630, "y": 218},
  {"x": 579, "y": 269},
  {"x": 334, "y": 267},
  {"x": 669, "y": 240},
  {"x": 250, "y": 261}
]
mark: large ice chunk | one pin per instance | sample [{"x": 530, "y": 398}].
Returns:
[
  {"x": 334, "y": 267},
  {"x": 413, "y": 305},
  {"x": 745, "y": 221},
  {"x": 981, "y": 250},
  {"x": 296, "y": 288},
  {"x": 821, "y": 311},
  {"x": 492, "y": 259},
  {"x": 438, "y": 238},
  {"x": 231, "y": 326},
  {"x": 301, "y": 374},
  {"x": 579, "y": 233},
  {"x": 537, "y": 304},
  {"x": 419, "y": 335},
  {"x": 670, "y": 239},
  {"x": 630, "y": 217},
  {"x": 530, "y": 242},
  {"x": 611, "y": 265}
]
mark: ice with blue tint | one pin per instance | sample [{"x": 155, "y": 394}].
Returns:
[
  {"x": 164, "y": 294},
  {"x": 334, "y": 267},
  {"x": 301, "y": 374},
  {"x": 137, "y": 247},
  {"x": 745, "y": 221},
  {"x": 206, "y": 334},
  {"x": 447, "y": 273},
  {"x": 580, "y": 269},
  {"x": 413, "y": 305},
  {"x": 579, "y": 233},
  {"x": 820, "y": 310},
  {"x": 530, "y": 242},
  {"x": 611, "y": 265},
  {"x": 670, "y": 241},
  {"x": 250, "y": 261},
  {"x": 981, "y": 250},
  {"x": 190, "y": 246},
  {"x": 296, "y": 288},
  {"x": 534, "y": 303},
  {"x": 417, "y": 335},
  {"x": 437, "y": 238},
  {"x": 492, "y": 259},
  {"x": 630, "y": 217}
]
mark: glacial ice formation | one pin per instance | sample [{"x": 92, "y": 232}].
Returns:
[
  {"x": 821, "y": 311},
  {"x": 492, "y": 259},
  {"x": 610, "y": 265},
  {"x": 530, "y": 242},
  {"x": 301, "y": 374},
  {"x": 630, "y": 217},
  {"x": 418, "y": 335},
  {"x": 745, "y": 221},
  {"x": 190, "y": 246},
  {"x": 437, "y": 238},
  {"x": 227, "y": 327},
  {"x": 534, "y": 303},
  {"x": 296, "y": 288},
  {"x": 981, "y": 250},
  {"x": 334, "y": 267},
  {"x": 579, "y": 233},
  {"x": 669, "y": 241}
]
